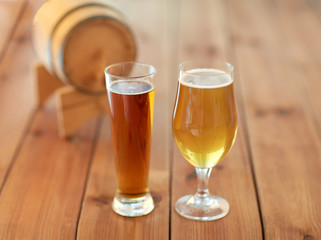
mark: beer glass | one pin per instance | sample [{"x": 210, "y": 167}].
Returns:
[
  {"x": 204, "y": 127},
  {"x": 130, "y": 89}
]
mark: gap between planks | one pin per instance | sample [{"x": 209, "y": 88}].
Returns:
[
  {"x": 92, "y": 154},
  {"x": 7, "y": 42},
  {"x": 231, "y": 52}
]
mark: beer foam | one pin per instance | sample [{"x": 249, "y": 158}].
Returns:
[
  {"x": 205, "y": 78},
  {"x": 131, "y": 87}
]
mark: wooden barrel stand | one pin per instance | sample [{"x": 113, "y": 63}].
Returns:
[{"x": 74, "y": 107}]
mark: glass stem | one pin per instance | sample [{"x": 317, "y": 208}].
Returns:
[{"x": 203, "y": 175}]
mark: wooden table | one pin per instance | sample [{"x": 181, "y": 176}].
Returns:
[{"x": 52, "y": 188}]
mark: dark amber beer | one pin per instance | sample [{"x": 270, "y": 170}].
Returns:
[
  {"x": 131, "y": 117},
  {"x": 130, "y": 89}
]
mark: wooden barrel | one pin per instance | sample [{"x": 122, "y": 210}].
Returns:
[{"x": 77, "y": 39}]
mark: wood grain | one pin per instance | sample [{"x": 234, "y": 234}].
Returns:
[
  {"x": 96, "y": 212},
  {"x": 285, "y": 148},
  {"x": 304, "y": 53},
  {"x": 43, "y": 194},
  {"x": 203, "y": 34},
  {"x": 10, "y": 14},
  {"x": 17, "y": 99}
]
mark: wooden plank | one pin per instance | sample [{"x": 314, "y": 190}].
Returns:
[
  {"x": 98, "y": 221},
  {"x": 42, "y": 197},
  {"x": 42, "y": 194},
  {"x": 204, "y": 33},
  {"x": 304, "y": 50},
  {"x": 17, "y": 99},
  {"x": 10, "y": 12},
  {"x": 285, "y": 147}
]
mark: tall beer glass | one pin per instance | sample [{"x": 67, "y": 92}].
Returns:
[
  {"x": 130, "y": 88},
  {"x": 204, "y": 127}
]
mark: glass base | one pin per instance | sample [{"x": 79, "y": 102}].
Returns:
[
  {"x": 133, "y": 207},
  {"x": 202, "y": 209}
]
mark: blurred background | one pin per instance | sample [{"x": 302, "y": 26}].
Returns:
[{"x": 55, "y": 146}]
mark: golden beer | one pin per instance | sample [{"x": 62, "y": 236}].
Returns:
[
  {"x": 131, "y": 117},
  {"x": 205, "y": 117}
]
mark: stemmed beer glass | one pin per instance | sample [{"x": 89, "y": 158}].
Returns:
[{"x": 204, "y": 128}]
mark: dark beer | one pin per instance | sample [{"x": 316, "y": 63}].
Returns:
[{"x": 131, "y": 116}]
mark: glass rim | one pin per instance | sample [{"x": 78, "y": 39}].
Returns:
[
  {"x": 229, "y": 66},
  {"x": 153, "y": 70}
]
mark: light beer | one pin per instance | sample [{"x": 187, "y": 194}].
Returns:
[
  {"x": 131, "y": 116},
  {"x": 204, "y": 118}
]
